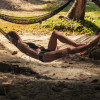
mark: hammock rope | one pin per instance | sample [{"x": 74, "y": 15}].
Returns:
[
  {"x": 34, "y": 19},
  {"x": 5, "y": 34},
  {"x": 82, "y": 39}
]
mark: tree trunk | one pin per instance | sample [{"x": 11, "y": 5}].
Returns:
[
  {"x": 97, "y": 2},
  {"x": 78, "y": 10}
]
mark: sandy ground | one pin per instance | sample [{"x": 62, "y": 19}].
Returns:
[{"x": 73, "y": 77}]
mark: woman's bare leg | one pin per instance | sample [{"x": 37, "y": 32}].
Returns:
[
  {"x": 51, "y": 56},
  {"x": 56, "y": 35},
  {"x": 85, "y": 47}
]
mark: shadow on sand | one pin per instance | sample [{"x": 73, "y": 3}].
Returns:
[{"x": 45, "y": 88}]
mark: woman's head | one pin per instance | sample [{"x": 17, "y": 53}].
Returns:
[{"x": 13, "y": 35}]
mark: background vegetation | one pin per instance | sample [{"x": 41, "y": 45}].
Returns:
[{"x": 90, "y": 25}]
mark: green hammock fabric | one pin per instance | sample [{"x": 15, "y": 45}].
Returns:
[{"x": 32, "y": 20}]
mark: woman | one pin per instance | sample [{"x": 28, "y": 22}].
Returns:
[{"x": 52, "y": 53}]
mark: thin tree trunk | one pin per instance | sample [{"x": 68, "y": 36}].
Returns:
[{"x": 78, "y": 10}]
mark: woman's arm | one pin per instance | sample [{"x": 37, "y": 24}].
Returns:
[{"x": 25, "y": 49}]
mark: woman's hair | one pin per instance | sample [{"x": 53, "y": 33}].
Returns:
[{"x": 14, "y": 35}]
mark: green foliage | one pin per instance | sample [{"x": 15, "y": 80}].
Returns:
[
  {"x": 89, "y": 7},
  {"x": 50, "y": 6},
  {"x": 92, "y": 7},
  {"x": 88, "y": 26}
]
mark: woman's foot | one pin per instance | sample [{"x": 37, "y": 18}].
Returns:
[
  {"x": 80, "y": 44},
  {"x": 95, "y": 41}
]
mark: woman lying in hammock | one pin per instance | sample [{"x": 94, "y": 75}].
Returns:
[{"x": 52, "y": 53}]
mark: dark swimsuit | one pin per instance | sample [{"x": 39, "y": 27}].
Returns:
[
  {"x": 42, "y": 53},
  {"x": 33, "y": 46}
]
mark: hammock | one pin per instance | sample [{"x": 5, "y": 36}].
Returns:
[
  {"x": 5, "y": 34},
  {"x": 85, "y": 38},
  {"x": 82, "y": 39},
  {"x": 93, "y": 52},
  {"x": 32, "y": 20}
]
